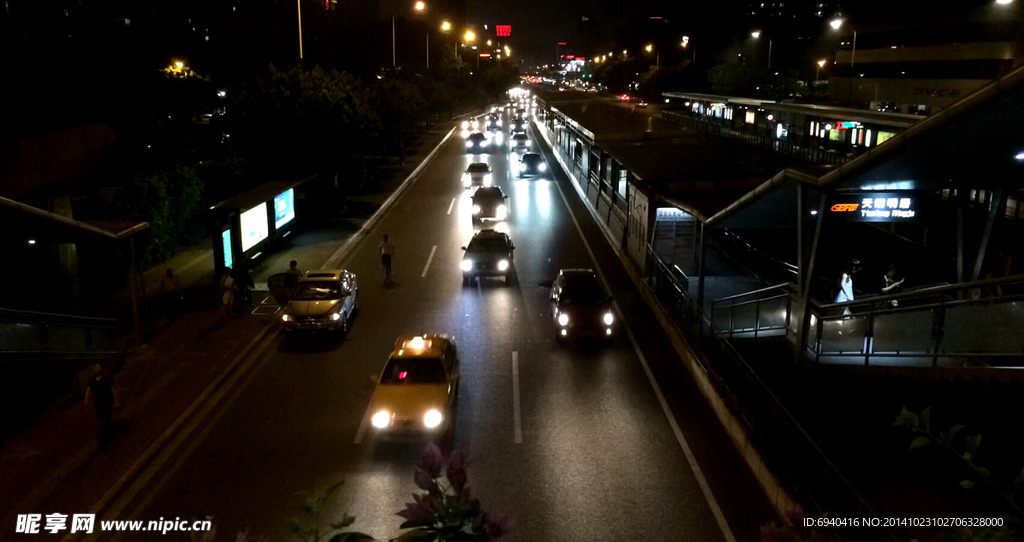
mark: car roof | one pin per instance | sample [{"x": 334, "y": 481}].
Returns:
[
  {"x": 325, "y": 274},
  {"x": 531, "y": 156},
  {"x": 478, "y": 135},
  {"x": 490, "y": 233},
  {"x": 475, "y": 166},
  {"x": 489, "y": 190},
  {"x": 426, "y": 345},
  {"x": 577, "y": 273}
]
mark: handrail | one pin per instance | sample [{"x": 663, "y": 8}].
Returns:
[
  {"x": 927, "y": 291},
  {"x": 779, "y": 286},
  {"x": 24, "y": 316}
]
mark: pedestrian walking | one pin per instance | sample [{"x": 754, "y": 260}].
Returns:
[
  {"x": 171, "y": 295},
  {"x": 846, "y": 286},
  {"x": 227, "y": 289},
  {"x": 387, "y": 253},
  {"x": 101, "y": 392}
]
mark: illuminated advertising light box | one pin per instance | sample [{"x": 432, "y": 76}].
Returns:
[
  {"x": 284, "y": 208},
  {"x": 255, "y": 227},
  {"x": 876, "y": 207},
  {"x": 749, "y": 117},
  {"x": 225, "y": 239}
]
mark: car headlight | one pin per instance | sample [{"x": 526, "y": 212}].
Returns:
[
  {"x": 542, "y": 166},
  {"x": 466, "y": 265},
  {"x": 286, "y": 317},
  {"x": 381, "y": 419},
  {"x": 465, "y": 125},
  {"x": 499, "y": 123},
  {"x": 469, "y": 143},
  {"x": 335, "y": 316},
  {"x": 432, "y": 419},
  {"x": 563, "y": 319},
  {"x": 502, "y": 265},
  {"x": 476, "y": 209},
  {"x": 522, "y": 167},
  {"x": 467, "y": 181},
  {"x": 608, "y": 318},
  {"x": 501, "y": 213},
  {"x": 487, "y": 179}
]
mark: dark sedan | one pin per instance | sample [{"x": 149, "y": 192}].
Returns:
[
  {"x": 580, "y": 306},
  {"x": 532, "y": 164}
]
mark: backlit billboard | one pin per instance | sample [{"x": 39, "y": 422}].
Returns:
[
  {"x": 284, "y": 208},
  {"x": 255, "y": 227}
]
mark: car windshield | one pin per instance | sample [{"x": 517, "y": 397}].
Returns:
[
  {"x": 478, "y": 168},
  {"x": 317, "y": 291},
  {"x": 583, "y": 292},
  {"x": 519, "y": 137},
  {"x": 488, "y": 193},
  {"x": 487, "y": 244},
  {"x": 477, "y": 137},
  {"x": 413, "y": 371},
  {"x": 531, "y": 159}
]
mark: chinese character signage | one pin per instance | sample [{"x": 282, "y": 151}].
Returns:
[
  {"x": 875, "y": 207},
  {"x": 503, "y": 30}
]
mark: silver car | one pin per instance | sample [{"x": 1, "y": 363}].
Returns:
[{"x": 323, "y": 300}]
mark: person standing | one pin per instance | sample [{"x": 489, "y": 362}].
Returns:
[
  {"x": 387, "y": 252},
  {"x": 293, "y": 274},
  {"x": 890, "y": 285},
  {"x": 227, "y": 289},
  {"x": 170, "y": 295},
  {"x": 846, "y": 286},
  {"x": 101, "y": 391}
]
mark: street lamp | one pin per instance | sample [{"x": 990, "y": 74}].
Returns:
[
  {"x": 821, "y": 64},
  {"x": 757, "y": 34},
  {"x": 835, "y": 24},
  {"x": 657, "y": 57}
]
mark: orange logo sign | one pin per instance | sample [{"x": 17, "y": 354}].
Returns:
[{"x": 845, "y": 207}]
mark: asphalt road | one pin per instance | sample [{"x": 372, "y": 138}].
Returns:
[{"x": 587, "y": 453}]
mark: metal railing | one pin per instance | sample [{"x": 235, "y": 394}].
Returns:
[
  {"x": 29, "y": 334},
  {"x": 814, "y": 155},
  {"x": 975, "y": 322},
  {"x": 758, "y": 313},
  {"x": 670, "y": 285}
]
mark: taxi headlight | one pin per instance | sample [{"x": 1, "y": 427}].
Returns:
[
  {"x": 608, "y": 318},
  {"x": 335, "y": 316},
  {"x": 476, "y": 209},
  {"x": 502, "y": 265},
  {"x": 432, "y": 419},
  {"x": 381, "y": 419},
  {"x": 466, "y": 265},
  {"x": 502, "y": 212},
  {"x": 542, "y": 166},
  {"x": 286, "y": 317},
  {"x": 563, "y": 319}
]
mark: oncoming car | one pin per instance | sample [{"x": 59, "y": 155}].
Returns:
[
  {"x": 532, "y": 164},
  {"x": 580, "y": 306},
  {"x": 489, "y": 254},
  {"x": 476, "y": 143},
  {"x": 477, "y": 174},
  {"x": 418, "y": 389},
  {"x": 489, "y": 203},
  {"x": 323, "y": 300},
  {"x": 520, "y": 141}
]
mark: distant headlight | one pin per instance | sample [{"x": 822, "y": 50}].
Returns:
[
  {"x": 381, "y": 419},
  {"x": 608, "y": 318},
  {"x": 432, "y": 419},
  {"x": 542, "y": 166},
  {"x": 467, "y": 265},
  {"x": 501, "y": 213},
  {"x": 563, "y": 319},
  {"x": 465, "y": 125},
  {"x": 476, "y": 209},
  {"x": 522, "y": 167},
  {"x": 499, "y": 123},
  {"x": 465, "y": 134},
  {"x": 335, "y": 316},
  {"x": 286, "y": 317},
  {"x": 502, "y": 265}
]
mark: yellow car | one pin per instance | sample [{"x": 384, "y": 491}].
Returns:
[{"x": 418, "y": 389}]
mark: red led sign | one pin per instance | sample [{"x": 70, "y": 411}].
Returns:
[{"x": 503, "y": 30}]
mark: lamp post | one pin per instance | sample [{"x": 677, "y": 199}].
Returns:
[
  {"x": 836, "y": 24},
  {"x": 298, "y": 9},
  {"x": 657, "y": 55},
  {"x": 820, "y": 64},
  {"x": 756, "y": 35}
]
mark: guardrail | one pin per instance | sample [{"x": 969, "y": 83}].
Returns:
[
  {"x": 752, "y": 314},
  {"x": 977, "y": 322},
  {"x": 670, "y": 285},
  {"x": 27, "y": 334}
]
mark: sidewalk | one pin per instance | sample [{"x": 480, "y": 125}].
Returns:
[{"x": 56, "y": 464}]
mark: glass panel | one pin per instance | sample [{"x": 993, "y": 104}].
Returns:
[
  {"x": 67, "y": 339},
  {"x": 773, "y": 313},
  {"x": 984, "y": 328},
  {"x": 744, "y": 317},
  {"x": 845, "y": 335},
  {"x": 903, "y": 332}
]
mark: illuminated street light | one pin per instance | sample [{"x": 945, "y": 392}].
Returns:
[
  {"x": 821, "y": 64},
  {"x": 649, "y": 48},
  {"x": 488, "y": 43},
  {"x": 179, "y": 64},
  {"x": 755, "y": 34},
  {"x": 420, "y": 6},
  {"x": 469, "y": 36},
  {"x": 446, "y": 26}
]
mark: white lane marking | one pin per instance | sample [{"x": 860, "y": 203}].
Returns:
[
  {"x": 429, "y": 259},
  {"x": 451, "y": 206},
  {"x": 690, "y": 458},
  {"x": 517, "y": 424}
]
